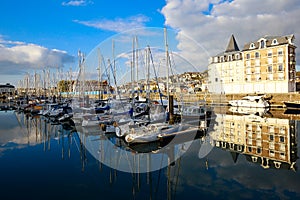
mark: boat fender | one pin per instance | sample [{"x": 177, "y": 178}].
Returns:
[
  {"x": 115, "y": 124},
  {"x": 132, "y": 131},
  {"x": 118, "y": 131},
  {"x": 103, "y": 127}
]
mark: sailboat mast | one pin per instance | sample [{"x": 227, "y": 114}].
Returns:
[
  {"x": 132, "y": 67},
  {"x": 99, "y": 72},
  {"x": 170, "y": 97},
  {"x": 137, "y": 62},
  {"x": 167, "y": 60},
  {"x": 114, "y": 63}
]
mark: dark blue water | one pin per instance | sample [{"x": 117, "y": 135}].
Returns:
[{"x": 43, "y": 161}]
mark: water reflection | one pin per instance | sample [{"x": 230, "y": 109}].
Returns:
[
  {"x": 239, "y": 152},
  {"x": 268, "y": 141},
  {"x": 263, "y": 139}
]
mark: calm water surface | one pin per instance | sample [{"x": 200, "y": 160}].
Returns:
[{"x": 252, "y": 157}]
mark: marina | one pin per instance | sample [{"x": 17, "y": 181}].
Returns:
[
  {"x": 247, "y": 152},
  {"x": 110, "y": 136},
  {"x": 158, "y": 100}
]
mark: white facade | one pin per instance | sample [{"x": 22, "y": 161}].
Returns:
[{"x": 265, "y": 66}]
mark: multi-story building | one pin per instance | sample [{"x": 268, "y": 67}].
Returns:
[
  {"x": 267, "y": 65},
  {"x": 225, "y": 70},
  {"x": 7, "y": 90}
]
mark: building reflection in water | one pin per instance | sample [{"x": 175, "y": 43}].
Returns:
[{"x": 263, "y": 139}]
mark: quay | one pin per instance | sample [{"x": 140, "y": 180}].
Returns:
[{"x": 276, "y": 99}]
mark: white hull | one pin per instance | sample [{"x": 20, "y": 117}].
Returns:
[
  {"x": 251, "y": 102},
  {"x": 150, "y": 133}
]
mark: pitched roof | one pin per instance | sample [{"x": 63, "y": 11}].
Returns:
[
  {"x": 232, "y": 45},
  {"x": 286, "y": 39}
]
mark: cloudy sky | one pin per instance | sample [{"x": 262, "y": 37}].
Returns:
[{"x": 34, "y": 36}]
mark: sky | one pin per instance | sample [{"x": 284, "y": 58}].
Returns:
[{"x": 37, "y": 35}]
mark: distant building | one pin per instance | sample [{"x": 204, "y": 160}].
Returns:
[
  {"x": 267, "y": 65},
  {"x": 7, "y": 90}
]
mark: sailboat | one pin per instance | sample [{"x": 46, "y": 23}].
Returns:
[{"x": 154, "y": 131}]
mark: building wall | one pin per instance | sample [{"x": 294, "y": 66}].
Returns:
[
  {"x": 260, "y": 70},
  {"x": 7, "y": 89}
]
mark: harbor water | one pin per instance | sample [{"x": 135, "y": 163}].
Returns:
[{"x": 250, "y": 157}]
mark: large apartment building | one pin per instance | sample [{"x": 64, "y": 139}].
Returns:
[{"x": 267, "y": 65}]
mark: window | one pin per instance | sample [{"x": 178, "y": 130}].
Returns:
[
  {"x": 281, "y": 138},
  {"x": 248, "y": 56},
  {"x": 252, "y": 46},
  {"x": 280, "y": 52},
  {"x": 216, "y": 79},
  {"x": 274, "y": 42},
  {"x": 258, "y": 78},
  {"x": 249, "y": 149},
  {"x": 256, "y": 54},
  {"x": 258, "y": 150},
  {"x": 237, "y": 56},
  {"x": 270, "y": 54},
  {"x": 280, "y": 68},
  {"x": 270, "y": 68},
  {"x": 262, "y": 44},
  {"x": 271, "y": 137}
]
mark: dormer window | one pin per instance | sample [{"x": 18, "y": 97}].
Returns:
[
  {"x": 274, "y": 42},
  {"x": 252, "y": 46},
  {"x": 262, "y": 44}
]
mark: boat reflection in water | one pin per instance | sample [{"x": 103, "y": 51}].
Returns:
[
  {"x": 136, "y": 158},
  {"x": 236, "y": 150},
  {"x": 262, "y": 139},
  {"x": 267, "y": 141}
]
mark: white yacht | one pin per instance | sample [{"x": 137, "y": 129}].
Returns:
[{"x": 251, "y": 101}]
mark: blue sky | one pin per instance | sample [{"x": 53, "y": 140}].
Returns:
[{"x": 38, "y": 34}]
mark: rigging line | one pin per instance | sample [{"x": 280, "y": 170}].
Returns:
[
  {"x": 107, "y": 72},
  {"x": 19, "y": 122},
  {"x": 170, "y": 65},
  {"x": 76, "y": 140},
  {"x": 159, "y": 173},
  {"x": 115, "y": 81},
  {"x": 176, "y": 181},
  {"x": 155, "y": 74}
]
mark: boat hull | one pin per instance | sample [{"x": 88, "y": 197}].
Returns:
[{"x": 292, "y": 105}]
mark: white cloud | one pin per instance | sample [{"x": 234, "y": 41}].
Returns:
[
  {"x": 248, "y": 20},
  {"x": 118, "y": 24},
  {"x": 77, "y": 3},
  {"x": 19, "y": 57}
]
